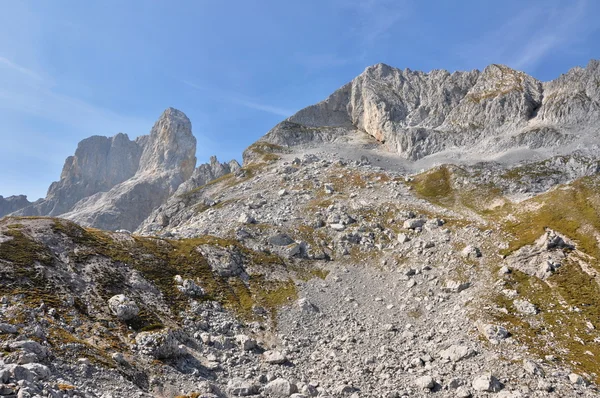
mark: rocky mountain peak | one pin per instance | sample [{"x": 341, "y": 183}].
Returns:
[{"x": 171, "y": 145}]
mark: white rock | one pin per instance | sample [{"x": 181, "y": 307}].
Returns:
[
  {"x": 306, "y": 306},
  {"x": 246, "y": 218},
  {"x": 455, "y": 353},
  {"x": 471, "y": 252},
  {"x": 532, "y": 368},
  {"x": 453, "y": 286},
  {"x": 274, "y": 357},
  {"x": 413, "y": 223},
  {"x": 486, "y": 382},
  {"x": 494, "y": 333},
  {"x": 403, "y": 238},
  {"x": 280, "y": 388},
  {"x": 525, "y": 307},
  {"x": 576, "y": 379},
  {"x": 425, "y": 382}
]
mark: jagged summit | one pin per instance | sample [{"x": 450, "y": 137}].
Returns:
[{"x": 475, "y": 114}]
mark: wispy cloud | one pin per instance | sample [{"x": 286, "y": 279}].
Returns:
[
  {"x": 375, "y": 18},
  {"x": 7, "y": 63},
  {"x": 239, "y": 99},
  {"x": 525, "y": 39}
]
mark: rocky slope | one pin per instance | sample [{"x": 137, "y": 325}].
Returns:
[{"x": 329, "y": 265}]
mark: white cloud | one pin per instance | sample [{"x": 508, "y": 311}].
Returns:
[{"x": 239, "y": 99}]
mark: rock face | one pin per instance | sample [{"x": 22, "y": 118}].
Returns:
[
  {"x": 98, "y": 165},
  {"x": 115, "y": 183},
  {"x": 418, "y": 114},
  {"x": 12, "y": 203}
]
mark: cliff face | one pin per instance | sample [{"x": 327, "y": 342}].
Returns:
[
  {"x": 418, "y": 114},
  {"x": 12, "y": 203},
  {"x": 114, "y": 183}
]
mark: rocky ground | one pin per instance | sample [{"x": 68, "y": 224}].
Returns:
[{"x": 312, "y": 274}]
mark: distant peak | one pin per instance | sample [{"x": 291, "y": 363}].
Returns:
[{"x": 174, "y": 114}]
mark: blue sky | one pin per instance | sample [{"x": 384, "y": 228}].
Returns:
[{"x": 70, "y": 69}]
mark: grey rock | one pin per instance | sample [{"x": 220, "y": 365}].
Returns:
[
  {"x": 533, "y": 368},
  {"x": 241, "y": 388},
  {"x": 123, "y": 307},
  {"x": 12, "y": 203},
  {"x": 159, "y": 345},
  {"x": 7, "y": 328},
  {"x": 224, "y": 261}
]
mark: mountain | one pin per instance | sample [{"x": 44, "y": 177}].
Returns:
[
  {"x": 12, "y": 203},
  {"x": 413, "y": 235},
  {"x": 460, "y": 114},
  {"x": 115, "y": 183}
]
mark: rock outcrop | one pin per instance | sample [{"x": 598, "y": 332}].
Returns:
[{"x": 12, "y": 203}]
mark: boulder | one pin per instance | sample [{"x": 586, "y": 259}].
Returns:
[
  {"x": 159, "y": 345},
  {"x": 280, "y": 388}
]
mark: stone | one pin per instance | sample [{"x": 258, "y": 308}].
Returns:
[
  {"x": 471, "y": 252},
  {"x": 123, "y": 307},
  {"x": 280, "y": 240},
  {"x": 425, "y": 382},
  {"x": 413, "y": 223},
  {"x": 306, "y": 306},
  {"x": 247, "y": 343},
  {"x": 533, "y": 368},
  {"x": 494, "y": 333},
  {"x": 280, "y": 387},
  {"x": 456, "y": 353},
  {"x": 486, "y": 382},
  {"x": 159, "y": 345},
  {"x": 576, "y": 379},
  {"x": 241, "y": 388},
  {"x": 190, "y": 288},
  {"x": 246, "y": 218},
  {"x": 525, "y": 307},
  {"x": 453, "y": 286},
  {"x": 274, "y": 357},
  {"x": 463, "y": 392},
  {"x": 7, "y": 328},
  {"x": 224, "y": 261},
  {"x": 403, "y": 238}
]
